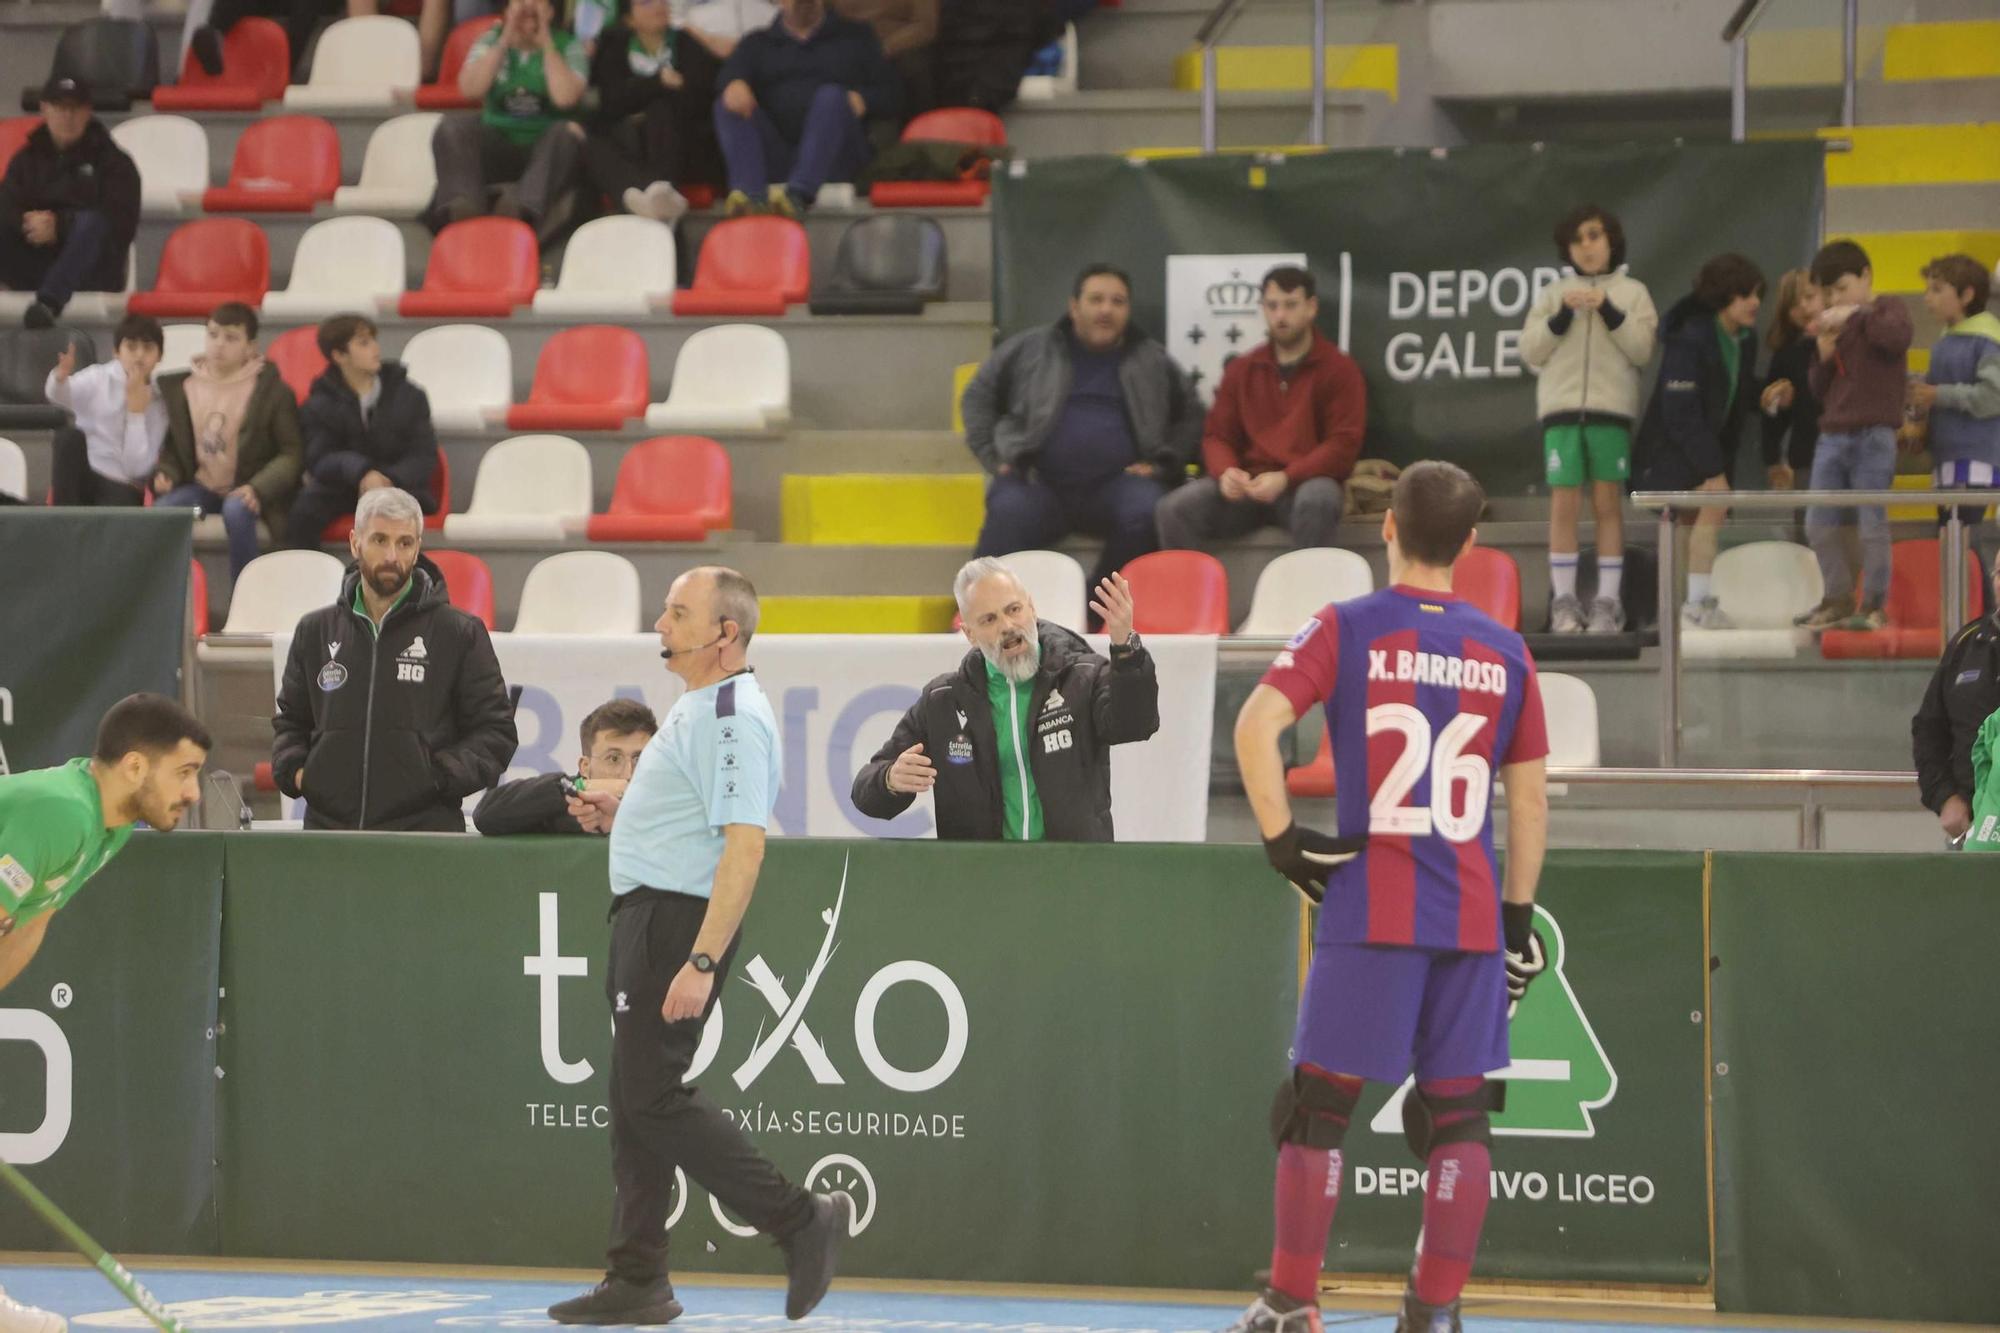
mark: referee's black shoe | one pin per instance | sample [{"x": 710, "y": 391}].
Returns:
[
  {"x": 616, "y": 1301},
  {"x": 813, "y": 1252}
]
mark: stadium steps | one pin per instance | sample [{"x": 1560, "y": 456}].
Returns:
[
  {"x": 1352, "y": 67},
  {"x": 883, "y": 509}
]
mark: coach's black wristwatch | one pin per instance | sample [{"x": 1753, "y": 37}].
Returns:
[
  {"x": 703, "y": 963},
  {"x": 1127, "y": 648}
]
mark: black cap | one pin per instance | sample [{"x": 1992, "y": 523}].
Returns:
[{"x": 66, "y": 89}]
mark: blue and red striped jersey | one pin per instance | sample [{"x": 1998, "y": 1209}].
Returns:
[{"x": 1425, "y": 696}]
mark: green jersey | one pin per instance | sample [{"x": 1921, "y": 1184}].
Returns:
[
  {"x": 518, "y": 104},
  {"x": 1020, "y": 802},
  {"x": 1984, "y": 835},
  {"x": 52, "y": 839}
]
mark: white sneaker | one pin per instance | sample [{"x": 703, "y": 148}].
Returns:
[
  {"x": 18, "y": 1318},
  {"x": 1566, "y": 616},
  {"x": 1705, "y": 614},
  {"x": 665, "y": 202},
  {"x": 1606, "y": 617}
]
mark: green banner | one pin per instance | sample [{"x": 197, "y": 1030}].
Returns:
[
  {"x": 1599, "y": 1160},
  {"x": 93, "y": 607},
  {"x": 1052, "y": 1065},
  {"x": 1426, "y": 261},
  {"x": 107, "y": 1055},
  {"x": 1855, "y": 1021}
]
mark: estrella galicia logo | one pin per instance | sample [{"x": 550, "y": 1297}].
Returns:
[{"x": 332, "y": 676}]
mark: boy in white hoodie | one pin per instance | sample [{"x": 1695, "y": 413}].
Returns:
[
  {"x": 1588, "y": 336},
  {"x": 120, "y": 419}
]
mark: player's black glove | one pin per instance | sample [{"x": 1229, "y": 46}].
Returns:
[
  {"x": 1526, "y": 959},
  {"x": 1306, "y": 858}
]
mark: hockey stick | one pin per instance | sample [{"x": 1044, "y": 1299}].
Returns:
[{"x": 114, "y": 1272}]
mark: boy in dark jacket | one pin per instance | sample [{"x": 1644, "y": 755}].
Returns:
[
  {"x": 654, "y": 127},
  {"x": 366, "y": 426},
  {"x": 613, "y": 734},
  {"x": 1708, "y": 379},
  {"x": 69, "y": 207}
]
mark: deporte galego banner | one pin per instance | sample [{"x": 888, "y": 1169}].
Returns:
[
  {"x": 837, "y": 698},
  {"x": 1426, "y": 262}
]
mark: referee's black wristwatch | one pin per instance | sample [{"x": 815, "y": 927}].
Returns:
[
  {"x": 1122, "y": 651},
  {"x": 703, "y": 963}
]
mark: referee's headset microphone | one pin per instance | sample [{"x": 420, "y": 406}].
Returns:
[{"x": 669, "y": 654}]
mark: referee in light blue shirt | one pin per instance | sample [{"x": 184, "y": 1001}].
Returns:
[{"x": 687, "y": 840}]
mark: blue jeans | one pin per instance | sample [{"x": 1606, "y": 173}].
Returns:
[
  {"x": 237, "y": 519},
  {"x": 55, "y": 272},
  {"x": 1027, "y": 515},
  {"x": 1862, "y": 461},
  {"x": 834, "y": 147}
]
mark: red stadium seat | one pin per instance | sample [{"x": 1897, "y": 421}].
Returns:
[
  {"x": 749, "y": 266},
  {"x": 338, "y": 530},
  {"x": 1315, "y": 778},
  {"x": 479, "y": 268},
  {"x": 1490, "y": 580},
  {"x": 256, "y": 67},
  {"x": 1179, "y": 592},
  {"x": 198, "y": 595},
  {"x": 469, "y": 580},
  {"x": 591, "y": 377},
  {"x": 444, "y": 94},
  {"x": 14, "y": 132},
  {"x": 285, "y": 164},
  {"x": 1913, "y": 631},
  {"x": 296, "y": 355},
  {"x": 949, "y": 124},
  {"x": 675, "y": 488},
  {"x": 205, "y": 263}
]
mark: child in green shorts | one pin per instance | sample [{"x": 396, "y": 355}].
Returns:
[{"x": 1588, "y": 335}]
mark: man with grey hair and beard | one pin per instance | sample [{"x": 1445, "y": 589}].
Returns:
[{"x": 1015, "y": 745}]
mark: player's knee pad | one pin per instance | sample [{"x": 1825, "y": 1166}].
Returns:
[
  {"x": 1468, "y": 1121},
  {"x": 1312, "y": 1111}
]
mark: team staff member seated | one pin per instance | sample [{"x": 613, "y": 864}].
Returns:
[
  {"x": 613, "y": 734},
  {"x": 1016, "y": 743}
]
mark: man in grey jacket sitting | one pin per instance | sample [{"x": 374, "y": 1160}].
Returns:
[{"x": 1083, "y": 426}]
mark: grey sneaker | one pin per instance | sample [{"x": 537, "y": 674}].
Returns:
[
  {"x": 1868, "y": 618},
  {"x": 1566, "y": 616},
  {"x": 617, "y": 1301},
  {"x": 1416, "y": 1317},
  {"x": 1824, "y": 616},
  {"x": 1705, "y": 614},
  {"x": 1606, "y": 617},
  {"x": 1275, "y": 1312}
]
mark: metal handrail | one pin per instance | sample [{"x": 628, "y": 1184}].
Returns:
[
  {"x": 1743, "y": 19},
  {"x": 1781, "y": 500},
  {"x": 1211, "y": 32},
  {"x": 1737, "y": 777},
  {"x": 1736, "y": 33}
]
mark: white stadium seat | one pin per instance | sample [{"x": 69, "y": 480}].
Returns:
[
  {"x": 1292, "y": 588},
  {"x": 1042, "y": 87},
  {"x": 171, "y": 153},
  {"x": 581, "y": 592},
  {"x": 1570, "y": 707},
  {"x": 13, "y": 471},
  {"x": 732, "y": 377},
  {"x": 369, "y": 61},
  {"x": 184, "y": 342},
  {"x": 1055, "y": 582},
  {"x": 465, "y": 370},
  {"x": 1760, "y": 586},
  {"x": 531, "y": 488},
  {"x": 341, "y": 264},
  {"x": 615, "y": 267},
  {"x": 275, "y": 589},
  {"x": 398, "y": 173}
]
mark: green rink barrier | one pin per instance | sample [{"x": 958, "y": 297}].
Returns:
[{"x": 1030, "y": 1064}]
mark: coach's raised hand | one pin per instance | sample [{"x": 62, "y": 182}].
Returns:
[
  {"x": 1113, "y": 605},
  {"x": 912, "y": 772}
]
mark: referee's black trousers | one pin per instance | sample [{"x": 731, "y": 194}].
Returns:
[{"x": 658, "y": 1122}]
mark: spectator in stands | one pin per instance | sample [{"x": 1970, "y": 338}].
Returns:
[
  {"x": 796, "y": 98},
  {"x": 367, "y": 428},
  {"x": 392, "y": 709},
  {"x": 1708, "y": 379},
  {"x": 1959, "y": 397},
  {"x": 1283, "y": 434},
  {"x": 654, "y": 126},
  {"x": 531, "y": 77},
  {"x": 1862, "y": 360},
  {"x": 1024, "y": 727},
  {"x": 1964, "y": 692},
  {"x": 1082, "y": 425},
  {"x": 1587, "y": 337},
  {"x": 985, "y": 46},
  {"x": 907, "y": 29},
  {"x": 1791, "y": 413},
  {"x": 613, "y": 735},
  {"x": 233, "y": 444},
  {"x": 121, "y": 421},
  {"x": 69, "y": 207}
]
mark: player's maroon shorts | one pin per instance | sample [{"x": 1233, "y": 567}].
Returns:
[{"x": 1376, "y": 1010}]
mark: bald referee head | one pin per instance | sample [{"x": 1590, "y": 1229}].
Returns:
[{"x": 706, "y": 625}]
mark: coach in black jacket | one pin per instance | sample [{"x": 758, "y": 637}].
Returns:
[
  {"x": 69, "y": 207},
  {"x": 393, "y": 710},
  {"x": 1964, "y": 692},
  {"x": 1026, "y": 688}
]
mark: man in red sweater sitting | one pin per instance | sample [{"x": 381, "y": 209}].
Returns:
[{"x": 1283, "y": 434}]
